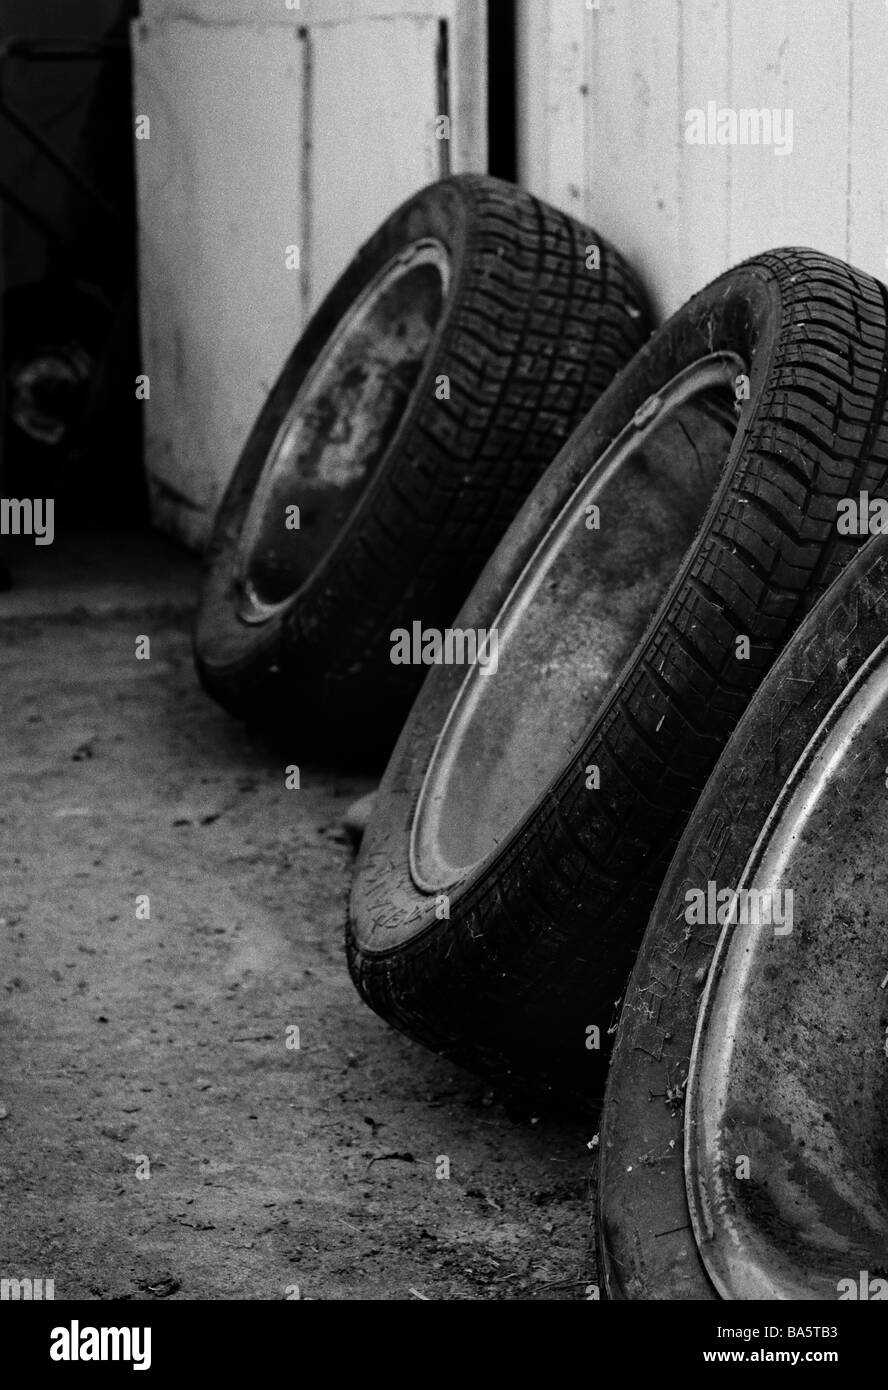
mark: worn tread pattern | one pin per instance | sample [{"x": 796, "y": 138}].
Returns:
[
  {"x": 540, "y": 944},
  {"x": 532, "y": 340}
]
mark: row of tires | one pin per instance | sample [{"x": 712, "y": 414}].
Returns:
[{"x": 585, "y": 589}]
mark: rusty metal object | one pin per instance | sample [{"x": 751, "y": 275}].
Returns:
[{"x": 339, "y": 426}]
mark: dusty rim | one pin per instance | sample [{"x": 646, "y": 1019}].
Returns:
[
  {"x": 571, "y": 622},
  {"x": 786, "y": 1132},
  {"x": 338, "y": 428}
]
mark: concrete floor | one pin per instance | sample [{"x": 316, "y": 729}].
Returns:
[{"x": 157, "y": 1136}]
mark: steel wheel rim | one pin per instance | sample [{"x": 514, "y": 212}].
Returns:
[
  {"x": 454, "y": 764},
  {"x": 361, "y": 385},
  {"x": 811, "y": 1124}
]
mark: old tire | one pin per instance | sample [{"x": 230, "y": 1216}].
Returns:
[
  {"x": 811, "y": 1122},
  {"x": 501, "y": 894},
  {"x": 437, "y": 380}
]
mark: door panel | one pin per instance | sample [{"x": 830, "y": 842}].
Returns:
[{"x": 272, "y": 128}]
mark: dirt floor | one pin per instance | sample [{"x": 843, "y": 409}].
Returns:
[{"x": 158, "y": 1138}]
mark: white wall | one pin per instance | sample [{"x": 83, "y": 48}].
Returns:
[
  {"x": 271, "y": 125},
  {"x": 603, "y": 94}
]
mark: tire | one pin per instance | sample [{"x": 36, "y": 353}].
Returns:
[
  {"x": 624, "y": 659},
  {"x": 647, "y": 1245},
  {"x": 473, "y": 283}
]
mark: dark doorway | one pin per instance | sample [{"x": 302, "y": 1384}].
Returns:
[
  {"x": 71, "y": 421},
  {"x": 502, "y": 109}
]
